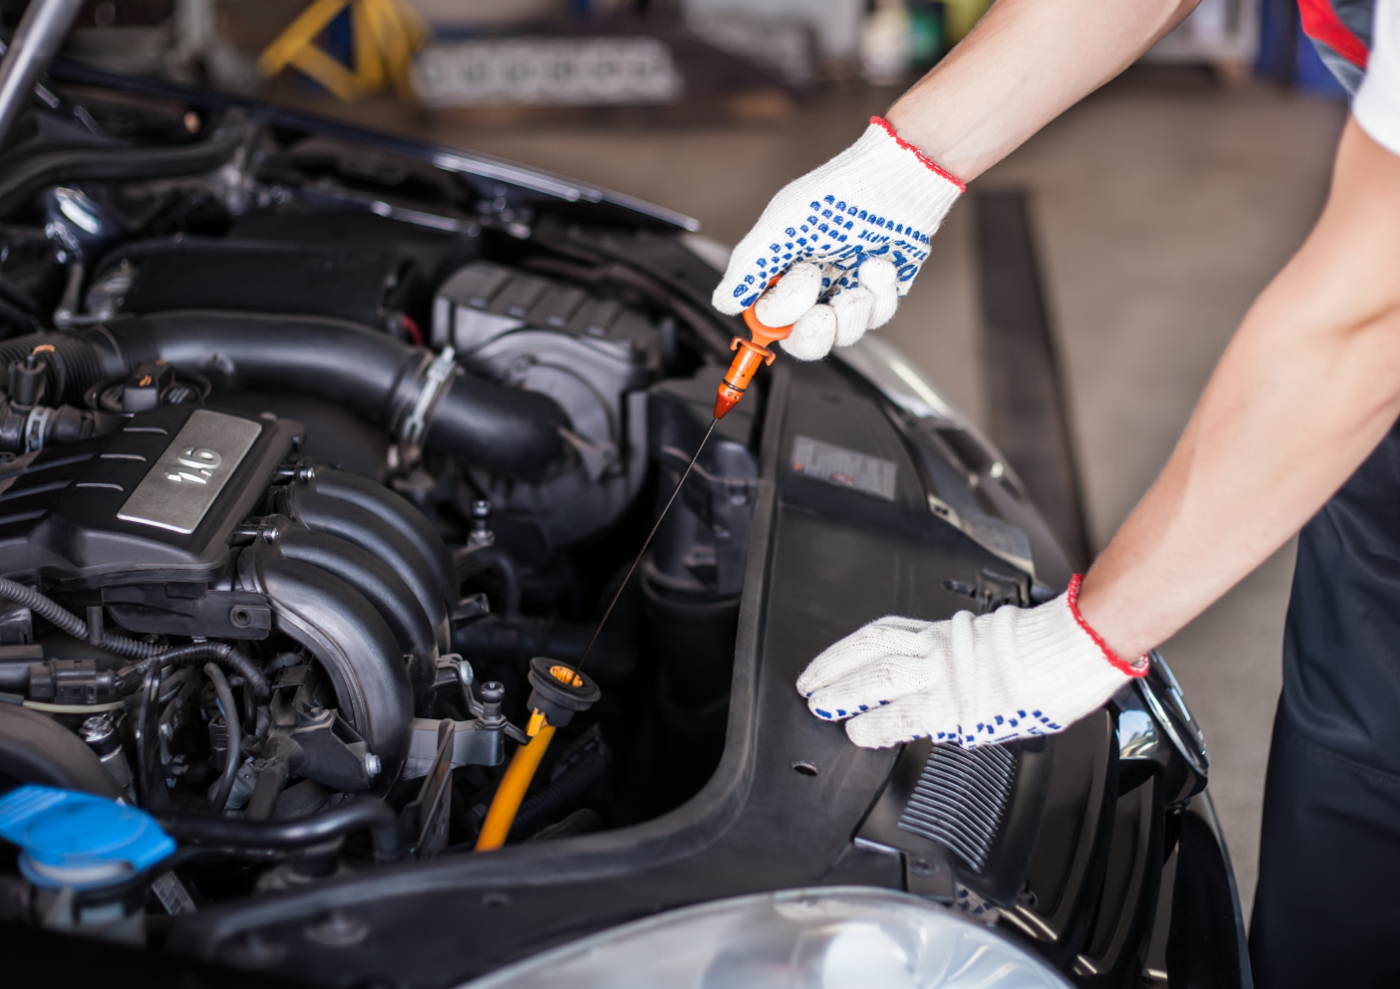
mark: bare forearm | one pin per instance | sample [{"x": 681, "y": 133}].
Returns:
[
  {"x": 1307, "y": 388},
  {"x": 1025, "y": 63}
]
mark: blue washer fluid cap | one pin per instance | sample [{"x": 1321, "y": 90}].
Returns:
[{"x": 79, "y": 841}]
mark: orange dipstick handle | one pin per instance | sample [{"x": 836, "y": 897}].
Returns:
[{"x": 750, "y": 355}]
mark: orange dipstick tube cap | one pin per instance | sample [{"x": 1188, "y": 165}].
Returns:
[{"x": 749, "y": 356}]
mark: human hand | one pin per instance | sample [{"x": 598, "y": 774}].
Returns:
[
  {"x": 970, "y": 680},
  {"x": 848, "y": 239}
]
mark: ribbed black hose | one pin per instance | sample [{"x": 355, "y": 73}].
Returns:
[
  {"x": 297, "y": 832},
  {"x": 574, "y": 782},
  {"x": 79, "y": 360},
  {"x": 24, "y": 178},
  {"x": 56, "y": 614},
  {"x": 470, "y": 562},
  {"x": 233, "y": 736}
]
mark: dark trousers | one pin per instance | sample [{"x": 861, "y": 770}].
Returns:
[{"x": 1327, "y": 909}]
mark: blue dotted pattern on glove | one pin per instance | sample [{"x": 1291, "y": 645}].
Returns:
[
  {"x": 999, "y": 728},
  {"x": 843, "y": 234}
]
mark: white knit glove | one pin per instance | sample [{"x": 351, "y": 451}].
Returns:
[
  {"x": 850, "y": 236},
  {"x": 970, "y": 680}
]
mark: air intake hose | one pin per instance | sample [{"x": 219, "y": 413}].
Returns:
[{"x": 502, "y": 430}]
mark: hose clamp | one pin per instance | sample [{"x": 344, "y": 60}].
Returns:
[
  {"x": 438, "y": 374},
  {"x": 35, "y": 426}
]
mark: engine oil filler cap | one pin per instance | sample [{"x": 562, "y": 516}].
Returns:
[
  {"x": 560, "y": 691},
  {"x": 79, "y": 841}
]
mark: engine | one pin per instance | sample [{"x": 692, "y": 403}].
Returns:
[
  {"x": 208, "y": 618},
  {"x": 305, "y": 505}
]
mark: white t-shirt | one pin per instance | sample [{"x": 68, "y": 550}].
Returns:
[{"x": 1377, "y": 105}]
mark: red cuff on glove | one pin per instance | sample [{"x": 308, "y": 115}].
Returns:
[
  {"x": 1135, "y": 669},
  {"x": 889, "y": 129}
]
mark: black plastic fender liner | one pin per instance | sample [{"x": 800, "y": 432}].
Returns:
[
  {"x": 502, "y": 430},
  {"x": 354, "y": 645},
  {"x": 380, "y": 585},
  {"x": 369, "y": 532},
  {"x": 36, "y": 749},
  {"x": 400, "y": 513}
]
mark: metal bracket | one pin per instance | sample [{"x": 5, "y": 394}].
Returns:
[{"x": 473, "y": 744}]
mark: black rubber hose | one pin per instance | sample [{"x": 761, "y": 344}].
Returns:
[
  {"x": 297, "y": 832},
  {"x": 24, "y": 178},
  {"x": 56, "y": 614},
  {"x": 233, "y": 736},
  {"x": 505, "y": 431},
  {"x": 272, "y": 782},
  {"x": 219, "y": 652},
  {"x": 470, "y": 562},
  {"x": 502, "y": 430}
]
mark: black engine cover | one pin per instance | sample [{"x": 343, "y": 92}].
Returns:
[{"x": 155, "y": 501}]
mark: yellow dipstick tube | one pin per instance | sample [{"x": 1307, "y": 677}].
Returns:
[{"x": 511, "y": 792}]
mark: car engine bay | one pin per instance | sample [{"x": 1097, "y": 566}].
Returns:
[
  {"x": 322, "y": 452},
  {"x": 276, "y": 455}
]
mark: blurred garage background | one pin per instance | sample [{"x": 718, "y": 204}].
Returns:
[{"x": 1141, "y": 224}]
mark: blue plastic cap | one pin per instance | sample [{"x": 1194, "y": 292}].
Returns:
[{"x": 77, "y": 840}]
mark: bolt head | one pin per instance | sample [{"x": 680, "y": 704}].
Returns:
[
  {"x": 97, "y": 728},
  {"x": 923, "y": 867},
  {"x": 372, "y": 765}
]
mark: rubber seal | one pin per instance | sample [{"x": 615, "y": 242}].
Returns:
[{"x": 557, "y": 698}]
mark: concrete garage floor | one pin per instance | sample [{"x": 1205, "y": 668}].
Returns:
[{"x": 1162, "y": 205}]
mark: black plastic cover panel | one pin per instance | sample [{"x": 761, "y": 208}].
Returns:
[{"x": 155, "y": 501}]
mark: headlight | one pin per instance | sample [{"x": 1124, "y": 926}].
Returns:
[
  {"x": 1163, "y": 696},
  {"x": 831, "y": 938}
]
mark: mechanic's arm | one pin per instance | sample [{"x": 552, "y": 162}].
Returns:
[
  {"x": 1307, "y": 388},
  {"x": 850, "y": 236},
  {"x": 1305, "y": 391},
  {"x": 1025, "y": 63}
]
